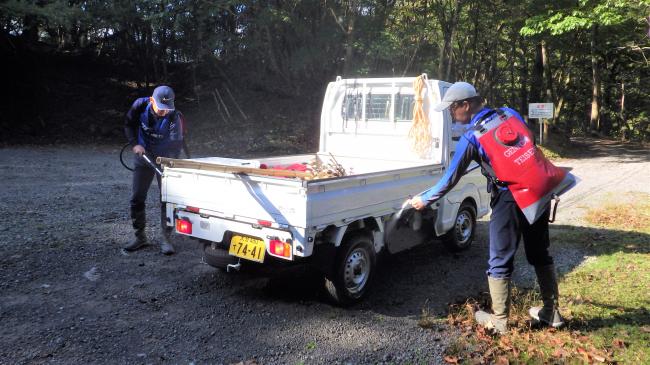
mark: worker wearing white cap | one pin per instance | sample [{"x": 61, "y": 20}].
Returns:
[{"x": 507, "y": 221}]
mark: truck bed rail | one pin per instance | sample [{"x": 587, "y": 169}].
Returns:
[{"x": 185, "y": 164}]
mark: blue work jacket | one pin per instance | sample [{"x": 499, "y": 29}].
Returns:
[
  {"x": 468, "y": 149},
  {"x": 160, "y": 136}
]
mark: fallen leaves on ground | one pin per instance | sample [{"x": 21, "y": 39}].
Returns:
[
  {"x": 618, "y": 343},
  {"x": 451, "y": 359},
  {"x": 482, "y": 346}
]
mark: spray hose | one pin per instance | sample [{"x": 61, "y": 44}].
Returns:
[
  {"x": 122, "y": 157},
  {"x": 144, "y": 156}
]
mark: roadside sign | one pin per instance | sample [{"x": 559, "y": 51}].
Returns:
[{"x": 540, "y": 110}]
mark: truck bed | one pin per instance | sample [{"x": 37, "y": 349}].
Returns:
[{"x": 376, "y": 187}]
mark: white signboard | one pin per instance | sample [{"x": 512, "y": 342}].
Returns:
[{"x": 540, "y": 110}]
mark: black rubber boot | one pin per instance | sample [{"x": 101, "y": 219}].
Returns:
[
  {"x": 138, "y": 219},
  {"x": 165, "y": 246},
  {"x": 549, "y": 314}
]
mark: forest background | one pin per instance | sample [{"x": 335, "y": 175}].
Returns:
[{"x": 71, "y": 68}]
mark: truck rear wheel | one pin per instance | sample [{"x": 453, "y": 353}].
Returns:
[
  {"x": 354, "y": 269},
  {"x": 217, "y": 257},
  {"x": 461, "y": 235}
]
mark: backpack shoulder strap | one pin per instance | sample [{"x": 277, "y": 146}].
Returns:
[
  {"x": 181, "y": 120},
  {"x": 478, "y": 126},
  {"x": 142, "y": 107}
]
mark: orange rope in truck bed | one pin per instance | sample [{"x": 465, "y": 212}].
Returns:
[{"x": 420, "y": 132}]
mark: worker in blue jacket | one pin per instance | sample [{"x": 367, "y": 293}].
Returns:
[
  {"x": 155, "y": 129},
  {"x": 507, "y": 222}
]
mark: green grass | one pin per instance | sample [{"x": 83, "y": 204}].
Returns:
[
  {"x": 609, "y": 298},
  {"x": 552, "y": 153},
  {"x": 556, "y": 148},
  {"x": 606, "y": 299},
  {"x": 311, "y": 345}
]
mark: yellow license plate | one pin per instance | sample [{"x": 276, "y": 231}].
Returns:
[{"x": 247, "y": 248}]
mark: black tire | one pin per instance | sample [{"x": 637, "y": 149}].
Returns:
[
  {"x": 354, "y": 269},
  {"x": 461, "y": 236},
  {"x": 218, "y": 257}
]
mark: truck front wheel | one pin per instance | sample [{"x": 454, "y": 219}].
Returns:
[
  {"x": 461, "y": 235},
  {"x": 354, "y": 269}
]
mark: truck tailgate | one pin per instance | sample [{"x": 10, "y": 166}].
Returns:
[{"x": 237, "y": 195}]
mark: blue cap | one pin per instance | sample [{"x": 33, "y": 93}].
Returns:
[{"x": 164, "y": 97}]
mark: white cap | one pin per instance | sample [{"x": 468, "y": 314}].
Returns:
[{"x": 458, "y": 91}]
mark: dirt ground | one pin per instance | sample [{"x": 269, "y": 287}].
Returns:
[{"x": 68, "y": 294}]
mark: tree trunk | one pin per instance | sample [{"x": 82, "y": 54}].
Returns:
[
  {"x": 523, "y": 84},
  {"x": 622, "y": 113},
  {"x": 565, "y": 79},
  {"x": 474, "y": 46},
  {"x": 548, "y": 97},
  {"x": 492, "y": 73},
  {"x": 594, "y": 120},
  {"x": 412, "y": 58},
  {"x": 452, "y": 34},
  {"x": 461, "y": 61},
  {"x": 548, "y": 74},
  {"x": 349, "y": 46},
  {"x": 513, "y": 66},
  {"x": 273, "y": 58},
  {"x": 537, "y": 79},
  {"x": 538, "y": 75},
  {"x": 31, "y": 28},
  {"x": 609, "y": 74},
  {"x": 442, "y": 55},
  {"x": 195, "y": 87},
  {"x": 149, "y": 77},
  {"x": 448, "y": 23}
]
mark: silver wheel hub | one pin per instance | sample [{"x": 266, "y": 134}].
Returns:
[
  {"x": 463, "y": 227},
  {"x": 356, "y": 271}
]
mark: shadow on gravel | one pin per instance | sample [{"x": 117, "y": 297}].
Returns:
[
  {"x": 431, "y": 278},
  {"x": 590, "y": 148}
]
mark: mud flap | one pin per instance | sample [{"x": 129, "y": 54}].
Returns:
[{"x": 408, "y": 229}]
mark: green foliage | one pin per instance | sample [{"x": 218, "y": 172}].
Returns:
[
  {"x": 294, "y": 47},
  {"x": 569, "y": 17}
]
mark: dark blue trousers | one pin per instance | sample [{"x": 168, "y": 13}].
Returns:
[
  {"x": 143, "y": 175},
  {"x": 507, "y": 226}
]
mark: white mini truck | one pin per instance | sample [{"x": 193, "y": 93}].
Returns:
[{"x": 337, "y": 225}]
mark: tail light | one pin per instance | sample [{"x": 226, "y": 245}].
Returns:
[
  {"x": 192, "y": 209},
  {"x": 279, "y": 248},
  {"x": 183, "y": 226}
]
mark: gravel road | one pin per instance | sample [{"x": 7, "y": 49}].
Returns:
[{"x": 68, "y": 294}]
